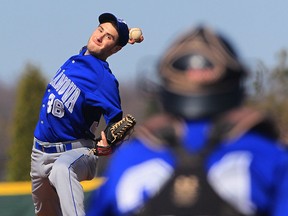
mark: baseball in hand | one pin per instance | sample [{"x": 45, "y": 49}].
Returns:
[{"x": 135, "y": 33}]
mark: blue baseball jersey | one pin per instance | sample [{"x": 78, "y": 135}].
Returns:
[
  {"x": 82, "y": 90},
  {"x": 250, "y": 172}
]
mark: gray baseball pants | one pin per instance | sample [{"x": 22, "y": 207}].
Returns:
[{"x": 56, "y": 177}]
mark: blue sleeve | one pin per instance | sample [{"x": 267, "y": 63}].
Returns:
[
  {"x": 280, "y": 205},
  {"x": 256, "y": 165},
  {"x": 127, "y": 185},
  {"x": 103, "y": 93},
  {"x": 107, "y": 97}
]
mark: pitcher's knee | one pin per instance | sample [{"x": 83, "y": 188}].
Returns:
[{"x": 60, "y": 172}]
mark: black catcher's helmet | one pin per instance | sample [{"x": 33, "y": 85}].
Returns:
[{"x": 201, "y": 75}]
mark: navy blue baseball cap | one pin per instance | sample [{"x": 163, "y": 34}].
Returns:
[{"x": 122, "y": 28}]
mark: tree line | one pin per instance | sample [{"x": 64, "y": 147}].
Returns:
[{"x": 268, "y": 90}]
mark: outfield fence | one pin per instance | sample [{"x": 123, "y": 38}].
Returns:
[{"x": 15, "y": 197}]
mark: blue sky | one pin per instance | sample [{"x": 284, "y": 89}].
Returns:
[{"x": 46, "y": 33}]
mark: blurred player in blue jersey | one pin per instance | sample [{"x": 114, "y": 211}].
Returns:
[
  {"x": 83, "y": 89},
  {"x": 207, "y": 153}
]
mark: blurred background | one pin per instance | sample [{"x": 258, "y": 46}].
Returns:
[{"x": 38, "y": 37}]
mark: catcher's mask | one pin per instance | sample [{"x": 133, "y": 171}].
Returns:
[{"x": 201, "y": 75}]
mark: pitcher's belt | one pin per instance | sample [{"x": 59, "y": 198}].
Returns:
[{"x": 61, "y": 147}]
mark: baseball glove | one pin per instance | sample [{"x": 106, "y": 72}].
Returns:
[{"x": 115, "y": 134}]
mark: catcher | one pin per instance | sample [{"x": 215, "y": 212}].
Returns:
[{"x": 207, "y": 153}]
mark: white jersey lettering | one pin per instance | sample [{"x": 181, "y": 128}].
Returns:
[
  {"x": 72, "y": 100},
  {"x": 64, "y": 86}
]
